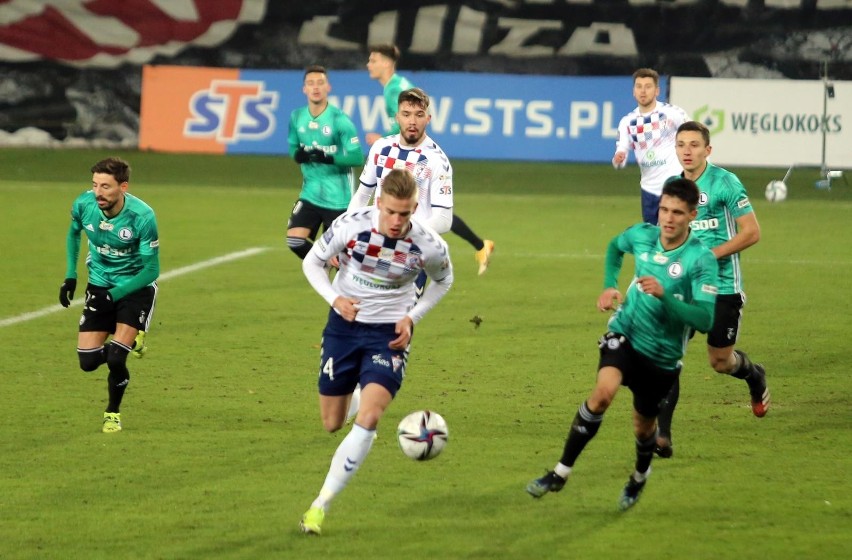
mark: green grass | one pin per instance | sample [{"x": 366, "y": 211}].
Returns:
[{"x": 223, "y": 449}]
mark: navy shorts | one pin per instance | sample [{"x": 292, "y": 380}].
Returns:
[
  {"x": 649, "y": 382},
  {"x": 650, "y": 207},
  {"x": 134, "y": 309},
  {"x": 355, "y": 353}
]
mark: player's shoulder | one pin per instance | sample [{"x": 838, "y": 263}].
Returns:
[
  {"x": 85, "y": 198},
  {"x": 138, "y": 206},
  {"x": 425, "y": 235}
]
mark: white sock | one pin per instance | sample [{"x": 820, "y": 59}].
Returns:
[
  {"x": 562, "y": 470},
  {"x": 641, "y": 477},
  {"x": 349, "y": 455},
  {"x": 354, "y": 404}
]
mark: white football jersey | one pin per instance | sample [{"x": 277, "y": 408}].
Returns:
[
  {"x": 427, "y": 162},
  {"x": 380, "y": 271},
  {"x": 651, "y": 138}
]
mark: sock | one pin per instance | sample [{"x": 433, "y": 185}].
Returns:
[
  {"x": 300, "y": 246},
  {"x": 462, "y": 230},
  {"x": 644, "y": 453},
  {"x": 118, "y": 377},
  {"x": 344, "y": 464},
  {"x": 92, "y": 358},
  {"x": 583, "y": 429},
  {"x": 641, "y": 476},
  {"x": 667, "y": 407},
  {"x": 744, "y": 368},
  {"x": 354, "y": 404}
]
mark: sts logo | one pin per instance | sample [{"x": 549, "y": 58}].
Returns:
[{"x": 232, "y": 110}]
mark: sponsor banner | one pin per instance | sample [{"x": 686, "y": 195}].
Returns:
[
  {"x": 474, "y": 116},
  {"x": 771, "y": 122}
]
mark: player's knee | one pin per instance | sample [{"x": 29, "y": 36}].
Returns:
[
  {"x": 722, "y": 364},
  {"x": 116, "y": 359},
  {"x": 299, "y": 245},
  {"x": 332, "y": 423},
  {"x": 91, "y": 358}
]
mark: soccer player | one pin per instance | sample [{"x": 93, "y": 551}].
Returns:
[
  {"x": 366, "y": 340},
  {"x": 673, "y": 290},
  {"x": 123, "y": 264},
  {"x": 382, "y": 67},
  {"x": 649, "y": 131},
  {"x": 726, "y": 223},
  {"x": 325, "y": 143}
]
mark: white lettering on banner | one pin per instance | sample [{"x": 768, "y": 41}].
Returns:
[{"x": 482, "y": 116}]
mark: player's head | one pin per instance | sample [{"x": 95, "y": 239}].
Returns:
[
  {"x": 692, "y": 144},
  {"x": 109, "y": 183},
  {"x": 381, "y": 63},
  {"x": 646, "y": 88},
  {"x": 397, "y": 203},
  {"x": 678, "y": 207},
  {"x": 413, "y": 115},
  {"x": 316, "y": 86}
]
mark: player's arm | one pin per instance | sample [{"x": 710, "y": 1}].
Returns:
[
  {"x": 72, "y": 246},
  {"x": 347, "y": 138},
  {"x": 367, "y": 182},
  {"x": 72, "y": 254},
  {"x": 611, "y": 297},
  {"x": 294, "y": 146},
  {"x": 392, "y": 108},
  {"x": 149, "y": 251},
  {"x": 439, "y": 269},
  {"x": 622, "y": 145},
  {"x": 748, "y": 233}
]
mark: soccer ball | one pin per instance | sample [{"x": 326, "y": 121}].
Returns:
[
  {"x": 776, "y": 191},
  {"x": 422, "y": 435}
]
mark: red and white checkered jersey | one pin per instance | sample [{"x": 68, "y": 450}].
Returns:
[
  {"x": 427, "y": 162},
  {"x": 378, "y": 270},
  {"x": 651, "y": 138}
]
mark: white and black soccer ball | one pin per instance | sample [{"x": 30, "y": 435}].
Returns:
[
  {"x": 422, "y": 435},
  {"x": 776, "y": 191}
]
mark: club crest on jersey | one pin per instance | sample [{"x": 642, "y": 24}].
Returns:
[
  {"x": 702, "y": 199},
  {"x": 326, "y": 130},
  {"x": 125, "y": 234},
  {"x": 675, "y": 270}
]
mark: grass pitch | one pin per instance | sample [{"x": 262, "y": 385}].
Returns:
[{"x": 223, "y": 449}]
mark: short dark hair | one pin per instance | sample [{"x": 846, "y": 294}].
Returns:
[
  {"x": 684, "y": 189},
  {"x": 415, "y": 96},
  {"x": 387, "y": 50},
  {"x": 695, "y": 126},
  {"x": 647, "y": 73},
  {"x": 114, "y": 166},
  {"x": 400, "y": 183},
  {"x": 314, "y": 69}
]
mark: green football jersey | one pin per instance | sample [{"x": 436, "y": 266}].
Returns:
[
  {"x": 723, "y": 200},
  {"x": 123, "y": 250},
  {"x": 396, "y": 85},
  {"x": 324, "y": 185},
  {"x": 688, "y": 273}
]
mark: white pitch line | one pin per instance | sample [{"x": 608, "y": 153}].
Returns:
[{"x": 9, "y": 321}]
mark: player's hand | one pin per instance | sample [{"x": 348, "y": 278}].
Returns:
[
  {"x": 66, "y": 291},
  {"x": 619, "y": 159},
  {"x": 609, "y": 300},
  {"x": 99, "y": 301},
  {"x": 650, "y": 285},
  {"x": 403, "y": 328},
  {"x": 301, "y": 155},
  {"x": 316, "y": 155},
  {"x": 346, "y": 307}
]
